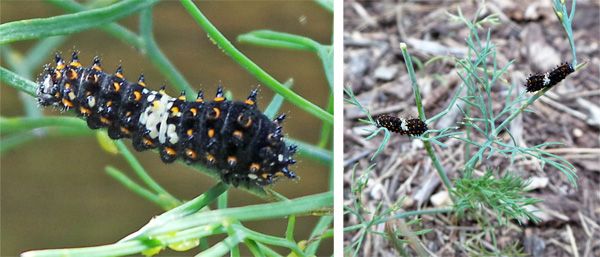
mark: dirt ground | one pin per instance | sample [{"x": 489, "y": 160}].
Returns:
[{"x": 569, "y": 113}]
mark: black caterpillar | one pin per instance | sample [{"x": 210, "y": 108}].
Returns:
[
  {"x": 233, "y": 137},
  {"x": 539, "y": 81},
  {"x": 411, "y": 126}
]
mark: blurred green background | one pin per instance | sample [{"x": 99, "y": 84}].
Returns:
[{"x": 55, "y": 192}]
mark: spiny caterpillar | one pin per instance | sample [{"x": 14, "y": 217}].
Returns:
[
  {"x": 235, "y": 138},
  {"x": 539, "y": 81},
  {"x": 411, "y": 126}
]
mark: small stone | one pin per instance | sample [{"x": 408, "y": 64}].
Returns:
[
  {"x": 386, "y": 73},
  {"x": 577, "y": 132}
]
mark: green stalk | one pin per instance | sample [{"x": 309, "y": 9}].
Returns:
[
  {"x": 70, "y": 23},
  {"x": 251, "y": 67},
  {"x": 419, "y": 103}
]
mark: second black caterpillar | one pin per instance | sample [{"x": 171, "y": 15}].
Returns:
[
  {"x": 411, "y": 126},
  {"x": 233, "y": 137},
  {"x": 539, "y": 81}
]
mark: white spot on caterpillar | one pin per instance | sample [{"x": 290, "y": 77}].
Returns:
[
  {"x": 91, "y": 101},
  {"x": 172, "y": 133},
  {"x": 403, "y": 125},
  {"x": 153, "y": 133},
  {"x": 47, "y": 84},
  {"x": 155, "y": 116},
  {"x": 547, "y": 79}
]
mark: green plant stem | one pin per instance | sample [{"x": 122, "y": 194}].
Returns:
[
  {"x": 71, "y": 23},
  {"x": 224, "y": 247},
  {"x": 316, "y": 153},
  {"x": 12, "y": 125},
  {"x": 159, "y": 58},
  {"x": 251, "y": 67},
  {"x": 180, "y": 211},
  {"x": 18, "y": 82},
  {"x": 419, "y": 103},
  {"x": 566, "y": 20},
  {"x": 327, "y": 127},
  {"x": 290, "y": 41},
  {"x": 514, "y": 115},
  {"x": 289, "y": 232},
  {"x": 254, "y": 38},
  {"x": 271, "y": 240},
  {"x": 413, "y": 80},
  {"x": 318, "y": 231},
  {"x": 141, "y": 172},
  {"x": 400, "y": 216},
  {"x": 254, "y": 247},
  {"x": 222, "y": 200},
  {"x": 299, "y": 206},
  {"x": 127, "y": 248},
  {"x": 121, "y": 177},
  {"x": 273, "y": 108},
  {"x": 114, "y": 29},
  {"x": 486, "y": 226},
  {"x": 10, "y": 141}
]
